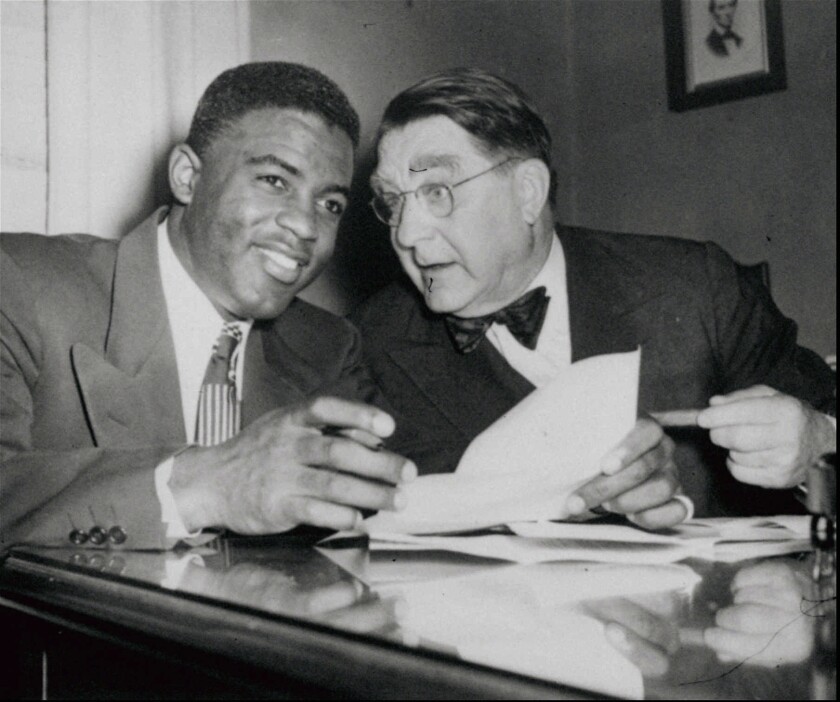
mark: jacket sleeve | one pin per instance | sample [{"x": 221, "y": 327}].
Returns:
[{"x": 755, "y": 343}]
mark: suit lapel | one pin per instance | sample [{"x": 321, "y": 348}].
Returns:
[
  {"x": 266, "y": 385},
  {"x": 608, "y": 295},
  {"x": 132, "y": 395},
  {"x": 470, "y": 390}
]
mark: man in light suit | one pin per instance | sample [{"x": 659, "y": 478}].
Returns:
[
  {"x": 106, "y": 344},
  {"x": 500, "y": 299}
]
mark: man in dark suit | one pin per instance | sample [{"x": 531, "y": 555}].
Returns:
[
  {"x": 722, "y": 39},
  {"x": 503, "y": 299},
  {"x": 122, "y": 401}
]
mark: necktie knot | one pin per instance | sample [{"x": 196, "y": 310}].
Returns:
[{"x": 524, "y": 319}]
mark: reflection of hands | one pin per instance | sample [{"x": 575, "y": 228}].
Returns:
[
  {"x": 283, "y": 471},
  {"x": 772, "y": 438},
  {"x": 342, "y": 604},
  {"x": 639, "y": 480},
  {"x": 642, "y": 629},
  {"x": 767, "y": 623}
]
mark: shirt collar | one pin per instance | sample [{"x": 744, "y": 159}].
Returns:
[{"x": 553, "y": 276}]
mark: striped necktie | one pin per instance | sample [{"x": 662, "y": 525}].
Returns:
[{"x": 218, "y": 416}]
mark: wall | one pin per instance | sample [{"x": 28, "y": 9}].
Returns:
[{"x": 756, "y": 175}]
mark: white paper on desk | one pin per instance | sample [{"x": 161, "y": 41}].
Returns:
[
  {"x": 518, "y": 549},
  {"x": 523, "y": 466}
]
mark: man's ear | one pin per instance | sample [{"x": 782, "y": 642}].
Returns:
[
  {"x": 533, "y": 181},
  {"x": 184, "y": 172}
]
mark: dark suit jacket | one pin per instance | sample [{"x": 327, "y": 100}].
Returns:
[
  {"x": 703, "y": 326},
  {"x": 90, "y": 398}
]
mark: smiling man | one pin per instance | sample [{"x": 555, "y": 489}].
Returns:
[
  {"x": 503, "y": 299},
  {"x": 172, "y": 381}
]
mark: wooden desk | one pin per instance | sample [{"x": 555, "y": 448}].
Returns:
[{"x": 274, "y": 617}]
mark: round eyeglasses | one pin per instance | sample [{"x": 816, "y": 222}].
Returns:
[{"x": 436, "y": 198}]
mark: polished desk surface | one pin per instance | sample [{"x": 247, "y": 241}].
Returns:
[{"x": 398, "y": 624}]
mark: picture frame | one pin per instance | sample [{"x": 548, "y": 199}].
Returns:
[{"x": 721, "y": 50}]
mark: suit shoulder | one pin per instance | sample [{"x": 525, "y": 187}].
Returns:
[
  {"x": 649, "y": 255},
  {"x": 389, "y": 310},
  {"x": 65, "y": 256},
  {"x": 315, "y": 332},
  {"x": 57, "y": 271}
]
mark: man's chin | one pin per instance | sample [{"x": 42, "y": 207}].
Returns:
[{"x": 441, "y": 303}]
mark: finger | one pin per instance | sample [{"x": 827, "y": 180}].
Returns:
[
  {"x": 337, "y": 412},
  {"x": 369, "y": 616},
  {"x": 670, "y": 514},
  {"x": 753, "y": 618},
  {"x": 762, "y": 573},
  {"x": 360, "y": 436},
  {"x": 656, "y": 630},
  {"x": 308, "y": 510},
  {"x": 746, "y": 437},
  {"x": 752, "y": 411},
  {"x": 605, "y": 487},
  {"x": 331, "y": 597},
  {"x": 761, "y": 476},
  {"x": 650, "y": 660},
  {"x": 768, "y": 595},
  {"x": 351, "y": 457},
  {"x": 645, "y": 436},
  {"x": 743, "y": 394},
  {"x": 349, "y": 490},
  {"x": 755, "y": 459},
  {"x": 658, "y": 489},
  {"x": 733, "y": 646}
]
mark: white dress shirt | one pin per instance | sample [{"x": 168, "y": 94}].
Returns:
[
  {"x": 554, "y": 346},
  {"x": 195, "y": 326}
]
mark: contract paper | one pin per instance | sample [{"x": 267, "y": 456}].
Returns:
[{"x": 526, "y": 464}]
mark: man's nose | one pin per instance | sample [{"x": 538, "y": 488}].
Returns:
[
  {"x": 300, "y": 217},
  {"x": 413, "y": 225}
]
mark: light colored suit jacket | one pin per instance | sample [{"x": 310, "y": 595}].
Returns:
[
  {"x": 704, "y": 327},
  {"x": 90, "y": 401}
]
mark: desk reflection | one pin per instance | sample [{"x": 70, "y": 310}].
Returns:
[{"x": 690, "y": 630}]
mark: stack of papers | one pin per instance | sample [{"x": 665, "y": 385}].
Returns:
[{"x": 730, "y": 539}]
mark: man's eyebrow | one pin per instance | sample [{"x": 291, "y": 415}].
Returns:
[
  {"x": 424, "y": 162},
  {"x": 273, "y": 160}
]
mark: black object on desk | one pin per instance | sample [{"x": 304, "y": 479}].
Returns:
[{"x": 821, "y": 481}]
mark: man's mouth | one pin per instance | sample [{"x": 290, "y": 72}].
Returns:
[{"x": 282, "y": 266}]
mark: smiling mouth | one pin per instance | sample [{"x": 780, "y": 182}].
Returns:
[{"x": 281, "y": 259}]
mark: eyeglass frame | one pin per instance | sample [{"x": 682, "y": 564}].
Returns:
[{"x": 449, "y": 188}]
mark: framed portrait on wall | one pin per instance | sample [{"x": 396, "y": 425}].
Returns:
[{"x": 720, "y": 50}]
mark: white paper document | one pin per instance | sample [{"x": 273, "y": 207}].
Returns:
[{"x": 525, "y": 465}]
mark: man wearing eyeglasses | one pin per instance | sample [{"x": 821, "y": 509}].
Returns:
[{"x": 506, "y": 299}]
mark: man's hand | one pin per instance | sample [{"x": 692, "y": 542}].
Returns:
[
  {"x": 771, "y": 619},
  {"x": 284, "y": 470},
  {"x": 639, "y": 480},
  {"x": 642, "y": 628},
  {"x": 772, "y": 438}
]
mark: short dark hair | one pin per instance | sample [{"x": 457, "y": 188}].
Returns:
[
  {"x": 497, "y": 113},
  {"x": 254, "y": 86}
]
